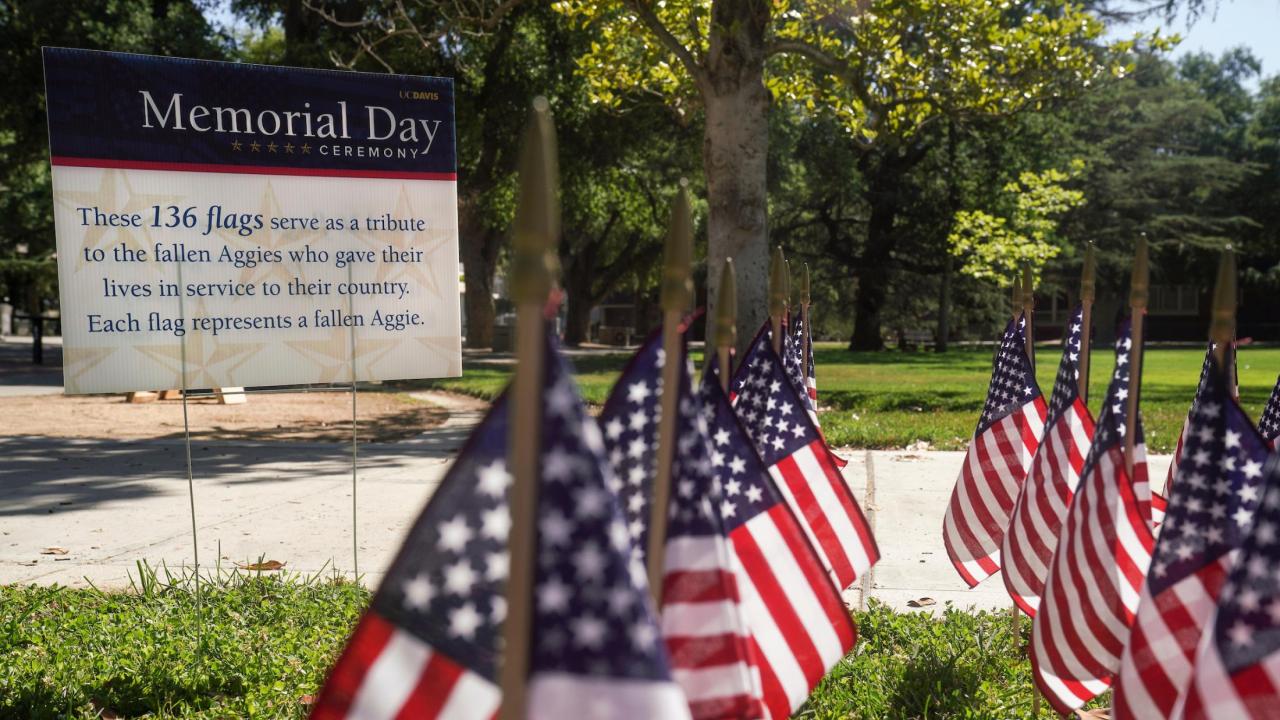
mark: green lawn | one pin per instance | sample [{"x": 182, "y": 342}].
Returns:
[
  {"x": 894, "y": 399},
  {"x": 268, "y": 642}
]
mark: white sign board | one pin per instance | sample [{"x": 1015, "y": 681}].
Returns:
[{"x": 224, "y": 225}]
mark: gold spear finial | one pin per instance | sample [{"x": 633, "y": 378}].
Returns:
[
  {"x": 1222, "y": 330},
  {"x": 1028, "y": 289},
  {"x": 677, "y": 267},
  {"x": 536, "y": 232},
  {"x": 778, "y": 284},
  {"x": 1139, "y": 288},
  {"x": 726, "y": 322},
  {"x": 726, "y": 328},
  {"x": 777, "y": 296},
  {"x": 537, "y": 224},
  {"x": 1089, "y": 275},
  {"x": 1140, "y": 282},
  {"x": 1016, "y": 297}
]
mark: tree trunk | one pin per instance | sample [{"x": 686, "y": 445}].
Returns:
[
  {"x": 873, "y": 271},
  {"x": 577, "y": 322},
  {"x": 479, "y": 251},
  {"x": 944, "y": 306},
  {"x": 735, "y": 149}
]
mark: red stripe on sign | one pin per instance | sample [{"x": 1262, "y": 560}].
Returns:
[
  {"x": 63, "y": 161},
  {"x": 816, "y": 517},
  {"x": 435, "y": 684},
  {"x": 693, "y": 586},
  {"x": 366, "y": 643}
]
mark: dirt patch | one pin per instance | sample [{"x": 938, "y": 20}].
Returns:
[{"x": 382, "y": 417}]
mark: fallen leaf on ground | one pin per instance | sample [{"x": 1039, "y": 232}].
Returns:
[
  {"x": 922, "y": 602},
  {"x": 1095, "y": 714},
  {"x": 267, "y": 565},
  {"x": 54, "y": 551},
  {"x": 307, "y": 700}
]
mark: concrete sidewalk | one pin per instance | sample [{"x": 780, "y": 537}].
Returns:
[{"x": 110, "y": 504}]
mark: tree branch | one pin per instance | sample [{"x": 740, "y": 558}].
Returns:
[{"x": 668, "y": 40}]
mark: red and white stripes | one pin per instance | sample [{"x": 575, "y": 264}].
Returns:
[
  {"x": 386, "y": 673},
  {"x": 799, "y": 624},
  {"x": 982, "y": 502},
  {"x": 1156, "y": 668},
  {"x": 1093, "y": 586},
  {"x": 1036, "y": 522},
  {"x": 704, "y": 626},
  {"x": 829, "y": 515}
]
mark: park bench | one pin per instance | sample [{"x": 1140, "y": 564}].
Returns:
[{"x": 915, "y": 339}]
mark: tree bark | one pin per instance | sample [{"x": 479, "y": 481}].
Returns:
[
  {"x": 579, "y": 298},
  {"x": 944, "y": 305},
  {"x": 479, "y": 250},
  {"x": 874, "y": 269},
  {"x": 735, "y": 149},
  {"x": 577, "y": 320}
]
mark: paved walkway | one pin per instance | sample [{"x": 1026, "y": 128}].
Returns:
[{"x": 110, "y": 504}]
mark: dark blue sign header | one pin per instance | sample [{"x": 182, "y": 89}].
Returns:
[{"x": 138, "y": 111}]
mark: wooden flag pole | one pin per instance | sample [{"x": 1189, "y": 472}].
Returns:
[
  {"x": 1029, "y": 311},
  {"x": 1088, "y": 291},
  {"x": 533, "y": 267},
  {"x": 726, "y": 327},
  {"x": 677, "y": 295},
  {"x": 1222, "y": 329},
  {"x": 1139, "y": 287},
  {"x": 805, "y": 304},
  {"x": 1015, "y": 303},
  {"x": 777, "y": 296}
]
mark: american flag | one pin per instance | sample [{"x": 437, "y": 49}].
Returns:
[
  {"x": 1269, "y": 424},
  {"x": 428, "y": 646},
  {"x": 802, "y": 333},
  {"x": 1186, "y": 425},
  {"x": 1036, "y": 522},
  {"x": 996, "y": 463},
  {"x": 799, "y": 626},
  {"x": 772, "y": 412},
  {"x": 798, "y": 366},
  {"x": 703, "y": 622},
  {"x": 803, "y": 381},
  {"x": 1210, "y": 510},
  {"x": 1236, "y": 673},
  {"x": 1095, "y": 577}
]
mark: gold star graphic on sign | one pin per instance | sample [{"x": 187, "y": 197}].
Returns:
[
  {"x": 211, "y": 361},
  {"x": 254, "y": 146},
  {"x": 269, "y": 239},
  {"x": 332, "y": 355},
  {"x": 115, "y": 193},
  {"x": 271, "y": 147},
  {"x": 428, "y": 242},
  {"x": 443, "y": 347},
  {"x": 79, "y": 361},
  {"x": 288, "y": 148},
  {"x": 235, "y": 145},
  {"x": 306, "y": 149}
]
